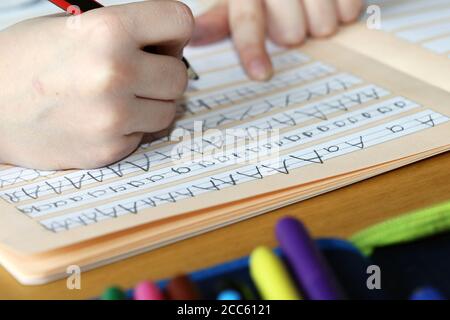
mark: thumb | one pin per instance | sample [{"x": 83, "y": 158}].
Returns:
[{"x": 212, "y": 26}]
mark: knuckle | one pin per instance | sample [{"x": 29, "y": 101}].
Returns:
[
  {"x": 292, "y": 38},
  {"x": 179, "y": 79},
  {"x": 105, "y": 26},
  {"x": 112, "y": 75},
  {"x": 352, "y": 11},
  {"x": 184, "y": 17},
  {"x": 174, "y": 78},
  {"x": 111, "y": 120},
  {"x": 325, "y": 30},
  {"x": 165, "y": 119}
]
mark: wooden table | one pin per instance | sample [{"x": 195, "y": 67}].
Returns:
[{"x": 339, "y": 213}]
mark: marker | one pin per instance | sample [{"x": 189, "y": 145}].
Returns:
[
  {"x": 229, "y": 295},
  {"x": 427, "y": 293},
  {"x": 113, "y": 293},
  {"x": 182, "y": 288},
  {"x": 308, "y": 265},
  {"x": 147, "y": 290},
  {"x": 271, "y": 276},
  {"x": 87, "y": 5}
]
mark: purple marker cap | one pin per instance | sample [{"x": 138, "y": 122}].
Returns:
[{"x": 309, "y": 267}]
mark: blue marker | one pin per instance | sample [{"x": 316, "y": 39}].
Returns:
[
  {"x": 230, "y": 295},
  {"x": 427, "y": 293}
]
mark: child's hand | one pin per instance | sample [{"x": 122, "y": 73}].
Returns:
[
  {"x": 84, "y": 98},
  {"x": 287, "y": 23}
]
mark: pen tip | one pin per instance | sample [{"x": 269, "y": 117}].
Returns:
[{"x": 192, "y": 74}]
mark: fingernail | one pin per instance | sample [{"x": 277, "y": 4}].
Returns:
[{"x": 260, "y": 70}]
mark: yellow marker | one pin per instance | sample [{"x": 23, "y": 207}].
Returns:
[{"x": 271, "y": 276}]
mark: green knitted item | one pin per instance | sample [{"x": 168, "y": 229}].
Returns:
[{"x": 407, "y": 228}]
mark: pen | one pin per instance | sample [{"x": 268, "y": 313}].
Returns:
[{"x": 86, "y": 5}]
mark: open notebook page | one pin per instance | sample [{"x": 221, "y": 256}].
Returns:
[{"x": 334, "y": 112}]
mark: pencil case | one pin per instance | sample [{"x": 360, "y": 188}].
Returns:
[{"x": 408, "y": 253}]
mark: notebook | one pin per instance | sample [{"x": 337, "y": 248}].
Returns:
[{"x": 337, "y": 111}]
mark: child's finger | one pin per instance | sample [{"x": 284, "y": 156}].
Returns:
[
  {"x": 159, "y": 77},
  {"x": 148, "y": 116},
  {"x": 322, "y": 17},
  {"x": 157, "y": 22},
  {"x": 247, "y": 21},
  {"x": 349, "y": 10},
  {"x": 287, "y": 23},
  {"x": 212, "y": 26}
]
